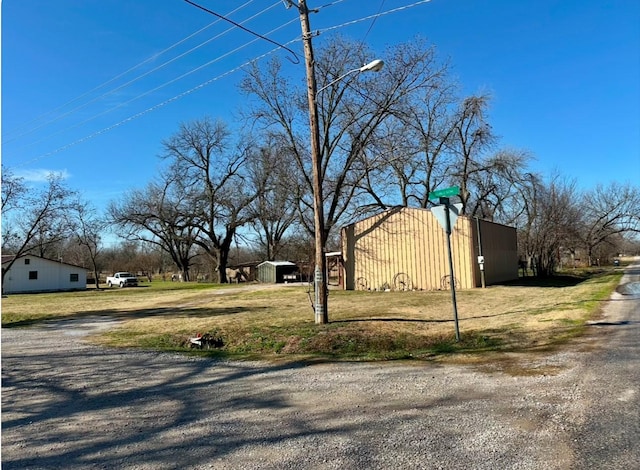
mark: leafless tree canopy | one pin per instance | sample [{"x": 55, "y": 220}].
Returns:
[
  {"x": 273, "y": 174},
  {"x": 34, "y": 220},
  {"x": 213, "y": 176},
  {"x": 158, "y": 215}
]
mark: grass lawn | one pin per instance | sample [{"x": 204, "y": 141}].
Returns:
[{"x": 271, "y": 322}]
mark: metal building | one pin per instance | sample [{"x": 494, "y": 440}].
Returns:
[
  {"x": 277, "y": 272},
  {"x": 406, "y": 249}
]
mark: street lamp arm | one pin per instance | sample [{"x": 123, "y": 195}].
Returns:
[{"x": 373, "y": 66}]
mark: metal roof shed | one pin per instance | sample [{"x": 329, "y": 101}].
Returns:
[{"x": 275, "y": 272}]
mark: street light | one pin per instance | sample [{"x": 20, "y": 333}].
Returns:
[
  {"x": 319, "y": 276},
  {"x": 319, "y": 281},
  {"x": 373, "y": 66}
]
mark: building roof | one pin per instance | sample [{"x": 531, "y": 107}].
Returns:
[
  {"x": 8, "y": 258},
  {"x": 278, "y": 263}
]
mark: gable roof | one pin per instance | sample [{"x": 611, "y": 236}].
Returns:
[
  {"x": 7, "y": 258},
  {"x": 278, "y": 263}
]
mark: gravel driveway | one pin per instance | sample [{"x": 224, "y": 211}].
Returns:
[{"x": 67, "y": 404}]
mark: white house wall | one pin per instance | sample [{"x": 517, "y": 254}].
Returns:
[{"x": 52, "y": 276}]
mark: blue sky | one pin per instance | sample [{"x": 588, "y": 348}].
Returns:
[{"x": 564, "y": 76}]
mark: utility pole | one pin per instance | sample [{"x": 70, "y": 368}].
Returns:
[{"x": 319, "y": 281}]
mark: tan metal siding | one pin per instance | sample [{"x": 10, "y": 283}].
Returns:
[{"x": 408, "y": 242}]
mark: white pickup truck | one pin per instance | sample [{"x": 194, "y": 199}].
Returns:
[{"x": 122, "y": 280}]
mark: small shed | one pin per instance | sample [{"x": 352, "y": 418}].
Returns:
[
  {"x": 30, "y": 273},
  {"x": 405, "y": 248},
  {"x": 277, "y": 272}
]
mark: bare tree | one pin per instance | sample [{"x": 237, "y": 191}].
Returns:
[
  {"x": 34, "y": 220},
  {"x": 129, "y": 255},
  {"x": 351, "y": 112},
  {"x": 160, "y": 216},
  {"x": 410, "y": 154},
  {"x": 494, "y": 189},
  {"x": 13, "y": 190},
  {"x": 471, "y": 137},
  {"x": 213, "y": 178},
  {"x": 548, "y": 222},
  {"x": 88, "y": 228},
  {"x": 607, "y": 212},
  {"x": 272, "y": 173}
]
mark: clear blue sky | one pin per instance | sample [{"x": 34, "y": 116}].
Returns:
[{"x": 564, "y": 75}]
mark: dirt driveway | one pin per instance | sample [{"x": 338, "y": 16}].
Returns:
[{"x": 67, "y": 404}]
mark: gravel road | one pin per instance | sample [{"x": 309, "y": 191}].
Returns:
[{"x": 68, "y": 404}]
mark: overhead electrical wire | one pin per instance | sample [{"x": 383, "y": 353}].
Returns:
[
  {"x": 159, "y": 87},
  {"x": 365, "y": 18},
  {"x": 126, "y": 72},
  {"x": 297, "y": 61},
  {"x": 156, "y": 106},
  {"x": 163, "y": 103},
  {"x": 224, "y": 74},
  {"x": 373, "y": 22}
]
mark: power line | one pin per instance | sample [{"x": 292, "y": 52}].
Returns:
[
  {"x": 153, "y": 108},
  {"x": 214, "y": 79},
  {"x": 120, "y": 75},
  {"x": 373, "y": 22},
  {"x": 165, "y": 84},
  {"x": 297, "y": 61},
  {"x": 365, "y": 18}
]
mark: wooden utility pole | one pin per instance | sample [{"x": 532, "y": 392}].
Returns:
[{"x": 320, "y": 283}]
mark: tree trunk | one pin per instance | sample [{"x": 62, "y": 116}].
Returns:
[
  {"x": 96, "y": 277},
  {"x": 223, "y": 259}
]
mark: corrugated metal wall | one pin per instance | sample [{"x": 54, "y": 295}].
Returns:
[
  {"x": 500, "y": 251},
  {"x": 266, "y": 272},
  {"x": 406, "y": 248},
  {"x": 272, "y": 272}
]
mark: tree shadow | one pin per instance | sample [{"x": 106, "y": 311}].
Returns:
[
  {"x": 552, "y": 281},
  {"x": 110, "y": 314},
  {"x": 81, "y": 407},
  {"x": 52, "y": 408}
]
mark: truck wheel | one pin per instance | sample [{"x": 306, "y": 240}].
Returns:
[
  {"x": 109, "y": 284},
  {"x": 122, "y": 284}
]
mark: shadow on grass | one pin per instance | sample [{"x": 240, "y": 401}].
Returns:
[
  {"x": 553, "y": 281},
  {"x": 133, "y": 315},
  {"x": 565, "y": 279},
  {"x": 390, "y": 319}
]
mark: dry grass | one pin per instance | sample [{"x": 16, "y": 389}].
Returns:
[{"x": 278, "y": 321}]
